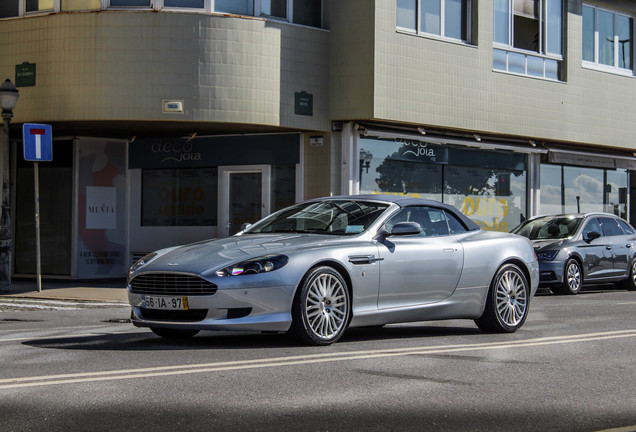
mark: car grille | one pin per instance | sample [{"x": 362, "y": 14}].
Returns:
[{"x": 171, "y": 284}]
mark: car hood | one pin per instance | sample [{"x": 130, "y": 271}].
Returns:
[
  {"x": 547, "y": 244},
  {"x": 214, "y": 254}
]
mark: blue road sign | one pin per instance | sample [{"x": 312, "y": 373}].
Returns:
[{"x": 38, "y": 142}]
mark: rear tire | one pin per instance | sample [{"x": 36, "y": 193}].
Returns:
[
  {"x": 321, "y": 309},
  {"x": 572, "y": 277},
  {"x": 169, "y": 333},
  {"x": 630, "y": 283},
  {"x": 507, "y": 302}
]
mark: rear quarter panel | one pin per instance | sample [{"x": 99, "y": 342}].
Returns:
[{"x": 486, "y": 251}]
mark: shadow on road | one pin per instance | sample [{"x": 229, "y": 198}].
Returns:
[{"x": 147, "y": 341}]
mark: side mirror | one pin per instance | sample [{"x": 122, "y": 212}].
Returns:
[
  {"x": 592, "y": 235},
  {"x": 405, "y": 228}
]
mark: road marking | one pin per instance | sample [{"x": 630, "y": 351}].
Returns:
[{"x": 125, "y": 374}]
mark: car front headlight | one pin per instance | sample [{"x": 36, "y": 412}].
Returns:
[
  {"x": 547, "y": 256},
  {"x": 141, "y": 262},
  {"x": 264, "y": 264}
]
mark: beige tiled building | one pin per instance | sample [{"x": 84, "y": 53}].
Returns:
[{"x": 178, "y": 120}]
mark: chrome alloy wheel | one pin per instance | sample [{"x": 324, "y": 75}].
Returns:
[
  {"x": 512, "y": 300},
  {"x": 326, "y": 306},
  {"x": 573, "y": 277}
]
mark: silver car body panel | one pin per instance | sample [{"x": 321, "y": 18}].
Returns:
[{"x": 452, "y": 280}]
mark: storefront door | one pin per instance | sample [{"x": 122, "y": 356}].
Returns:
[{"x": 244, "y": 192}]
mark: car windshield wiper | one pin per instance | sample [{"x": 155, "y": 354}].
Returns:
[{"x": 299, "y": 231}]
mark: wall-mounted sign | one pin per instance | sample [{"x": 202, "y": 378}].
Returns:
[
  {"x": 315, "y": 141},
  {"x": 25, "y": 75},
  {"x": 173, "y": 106},
  {"x": 304, "y": 104}
]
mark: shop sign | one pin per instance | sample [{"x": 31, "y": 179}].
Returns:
[
  {"x": 581, "y": 159},
  {"x": 281, "y": 149},
  {"x": 422, "y": 152},
  {"x": 25, "y": 75}
]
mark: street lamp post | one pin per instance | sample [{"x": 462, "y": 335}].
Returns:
[{"x": 8, "y": 99}]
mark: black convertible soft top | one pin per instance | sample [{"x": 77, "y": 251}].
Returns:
[{"x": 403, "y": 201}]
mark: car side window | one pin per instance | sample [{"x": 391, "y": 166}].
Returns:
[
  {"x": 592, "y": 226},
  {"x": 627, "y": 228},
  {"x": 433, "y": 221},
  {"x": 454, "y": 224},
  {"x": 610, "y": 226}
]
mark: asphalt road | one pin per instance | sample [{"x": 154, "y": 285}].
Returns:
[{"x": 82, "y": 366}]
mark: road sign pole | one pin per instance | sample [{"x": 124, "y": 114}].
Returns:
[
  {"x": 37, "y": 225},
  {"x": 38, "y": 146}
]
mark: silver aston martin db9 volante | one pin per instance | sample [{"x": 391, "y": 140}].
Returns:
[{"x": 321, "y": 266}]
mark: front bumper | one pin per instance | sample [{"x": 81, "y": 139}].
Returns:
[
  {"x": 250, "y": 309},
  {"x": 550, "y": 272}
]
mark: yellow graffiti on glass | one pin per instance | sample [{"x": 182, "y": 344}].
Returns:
[{"x": 483, "y": 207}]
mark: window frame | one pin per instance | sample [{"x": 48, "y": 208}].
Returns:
[
  {"x": 22, "y": 5},
  {"x": 442, "y": 23},
  {"x": 616, "y": 69},
  {"x": 547, "y": 58},
  {"x": 209, "y": 7},
  {"x": 159, "y": 5},
  {"x": 289, "y": 10}
]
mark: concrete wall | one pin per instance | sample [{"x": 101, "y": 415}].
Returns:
[
  {"x": 115, "y": 66},
  {"x": 427, "y": 81}
]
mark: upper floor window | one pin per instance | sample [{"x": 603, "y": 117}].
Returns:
[
  {"x": 608, "y": 40},
  {"x": 528, "y": 37},
  {"x": 305, "y": 12},
  {"x": 240, "y": 7},
  {"x": 14, "y": 8},
  {"x": 445, "y": 18}
]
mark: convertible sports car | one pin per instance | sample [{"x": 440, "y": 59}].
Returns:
[{"x": 321, "y": 266}]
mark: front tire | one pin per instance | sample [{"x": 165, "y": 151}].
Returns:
[
  {"x": 321, "y": 309},
  {"x": 507, "y": 302},
  {"x": 169, "y": 333},
  {"x": 572, "y": 278}
]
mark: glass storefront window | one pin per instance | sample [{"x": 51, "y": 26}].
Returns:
[
  {"x": 571, "y": 189},
  {"x": 179, "y": 197},
  {"x": 487, "y": 186}
]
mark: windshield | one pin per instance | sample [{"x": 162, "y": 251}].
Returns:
[
  {"x": 336, "y": 217},
  {"x": 551, "y": 227}
]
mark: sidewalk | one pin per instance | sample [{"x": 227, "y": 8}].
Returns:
[{"x": 102, "y": 290}]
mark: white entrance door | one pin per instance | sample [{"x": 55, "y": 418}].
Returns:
[{"x": 244, "y": 196}]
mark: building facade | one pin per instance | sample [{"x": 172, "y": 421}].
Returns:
[{"x": 179, "y": 120}]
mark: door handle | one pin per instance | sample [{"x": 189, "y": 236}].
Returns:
[
  {"x": 628, "y": 245},
  {"x": 608, "y": 247},
  {"x": 449, "y": 250}
]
